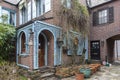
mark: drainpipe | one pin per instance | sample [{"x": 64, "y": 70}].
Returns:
[
  {"x": 31, "y": 9},
  {"x": 117, "y": 49}
]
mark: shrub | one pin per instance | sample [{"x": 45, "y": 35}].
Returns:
[
  {"x": 10, "y": 71},
  {"x": 7, "y": 34}
]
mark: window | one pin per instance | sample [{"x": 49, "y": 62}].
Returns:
[
  {"x": 42, "y": 6},
  {"x": 12, "y": 18},
  {"x": 103, "y": 16},
  {"x": 22, "y": 42},
  {"x": 23, "y": 14},
  {"x": 66, "y": 3},
  {"x": 29, "y": 11},
  {"x": 8, "y": 16}
]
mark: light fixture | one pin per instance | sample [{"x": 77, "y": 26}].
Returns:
[{"x": 59, "y": 42}]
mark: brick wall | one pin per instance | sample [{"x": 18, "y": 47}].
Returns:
[
  {"x": 105, "y": 31},
  {"x": 55, "y": 21}
]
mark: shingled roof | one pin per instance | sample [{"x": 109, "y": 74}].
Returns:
[
  {"x": 93, "y": 3},
  {"x": 15, "y": 2}
]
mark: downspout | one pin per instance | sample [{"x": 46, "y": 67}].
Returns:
[{"x": 31, "y": 9}]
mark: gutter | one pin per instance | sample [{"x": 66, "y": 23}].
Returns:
[
  {"x": 41, "y": 18},
  {"x": 101, "y": 4}
]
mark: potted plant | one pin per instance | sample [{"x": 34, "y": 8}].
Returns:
[
  {"x": 79, "y": 76},
  {"x": 85, "y": 70}
]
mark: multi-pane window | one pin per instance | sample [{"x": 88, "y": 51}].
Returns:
[
  {"x": 24, "y": 14},
  {"x": 42, "y": 6},
  {"x": 8, "y": 16},
  {"x": 33, "y": 9},
  {"x": 103, "y": 16}
]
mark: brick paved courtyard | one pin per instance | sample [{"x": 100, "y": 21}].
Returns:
[{"x": 105, "y": 73}]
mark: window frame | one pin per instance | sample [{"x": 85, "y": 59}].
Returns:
[
  {"x": 110, "y": 16},
  {"x": 26, "y": 53},
  {"x": 9, "y": 14},
  {"x": 20, "y": 43},
  {"x": 23, "y": 14},
  {"x": 102, "y": 16},
  {"x": 41, "y": 7}
]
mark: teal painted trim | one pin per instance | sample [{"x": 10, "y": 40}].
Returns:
[
  {"x": 19, "y": 42},
  {"x": 26, "y": 31},
  {"x": 10, "y": 10},
  {"x": 47, "y": 24},
  {"x": 86, "y": 47},
  {"x": 15, "y": 19},
  {"x": 37, "y": 45}
]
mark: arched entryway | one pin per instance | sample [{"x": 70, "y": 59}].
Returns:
[
  {"x": 45, "y": 48},
  {"x": 113, "y": 48}
]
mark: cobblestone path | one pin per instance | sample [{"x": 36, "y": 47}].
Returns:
[{"x": 105, "y": 73}]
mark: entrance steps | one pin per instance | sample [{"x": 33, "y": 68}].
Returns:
[
  {"x": 96, "y": 61},
  {"x": 43, "y": 73},
  {"x": 46, "y": 72}
]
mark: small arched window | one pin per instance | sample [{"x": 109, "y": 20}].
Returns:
[{"x": 22, "y": 44}]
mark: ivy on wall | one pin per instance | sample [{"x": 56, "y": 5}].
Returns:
[{"x": 74, "y": 17}]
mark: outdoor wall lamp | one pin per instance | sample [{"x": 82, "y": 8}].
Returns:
[
  {"x": 102, "y": 43},
  {"x": 59, "y": 42},
  {"x": 30, "y": 31}
]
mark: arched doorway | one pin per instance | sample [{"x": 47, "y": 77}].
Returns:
[
  {"x": 41, "y": 50},
  {"x": 45, "y": 48},
  {"x": 113, "y": 48}
]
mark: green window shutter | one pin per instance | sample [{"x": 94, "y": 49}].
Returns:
[
  {"x": 70, "y": 50},
  {"x": 80, "y": 46},
  {"x": 111, "y": 14}
]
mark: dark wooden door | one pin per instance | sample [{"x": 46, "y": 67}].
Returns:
[
  {"x": 41, "y": 57},
  {"x": 95, "y": 50}
]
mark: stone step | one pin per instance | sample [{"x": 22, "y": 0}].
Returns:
[
  {"x": 96, "y": 61},
  {"x": 47, "y": 74},
  {"x": 47, "y": 69}
]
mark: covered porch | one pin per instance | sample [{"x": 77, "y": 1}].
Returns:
[{"x": 37, "y": 45}]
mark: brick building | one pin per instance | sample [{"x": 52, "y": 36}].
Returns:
[
  {"x": 39, "y": 41},
  {"x": 104, "y": 30},
  {"x": 9, "y": 10}
]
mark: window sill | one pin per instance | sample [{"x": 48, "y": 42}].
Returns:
[
  {"x": 24, "y": 55},
  {"x": 101, "y": 25}
]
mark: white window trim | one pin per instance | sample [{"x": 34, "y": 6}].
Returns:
[{"x": 41, "y": 7}]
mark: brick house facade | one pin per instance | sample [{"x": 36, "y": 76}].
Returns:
[
  {"x": 104, "y": 30},
  {"x": 10, "y": 11},
  {"x": 38, "y": 33}
]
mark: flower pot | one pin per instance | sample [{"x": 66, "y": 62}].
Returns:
[
  {"x": 79, "y": 76},
  {"x": 86, "y": 72}
]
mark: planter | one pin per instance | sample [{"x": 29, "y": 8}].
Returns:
[
  {"x": 86, "y": 72},
  {"x": 79, "y": 76}
]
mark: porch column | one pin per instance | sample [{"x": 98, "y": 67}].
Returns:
[{"x": 31, "y": 50}]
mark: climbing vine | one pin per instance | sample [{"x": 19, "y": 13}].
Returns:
[{"x": 74, "y": 17}]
